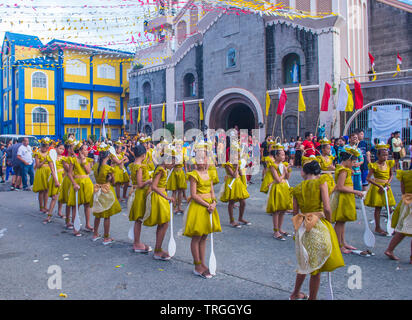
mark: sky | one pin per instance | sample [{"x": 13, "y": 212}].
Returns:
[{"x": 108, "y": 23}]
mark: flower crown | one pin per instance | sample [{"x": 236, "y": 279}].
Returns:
[
  {"x": 46, "y": 140},
  {"x": 324, "y": 141},
  {"x": 309, "y": 159},
  {"x": 103, "y": 147},
  {"x": 382, "y": 145},
  {"x": 352, "y": 151}
]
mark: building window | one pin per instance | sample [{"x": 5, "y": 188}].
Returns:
[
  {"x": 231, "y": 58},
  {"x": 39, "y": 80},
  {"x": 106, "y": 71},
  {"x": 76, "y": 67},
  {"x": 39, "y": 115},
  {"x": 76, "y": 102},
  {"x": 291, "y": 69},
  {"x": 189, "y": 85},
  {"x": 106, "y": 103},
  {"x": 193, "y": 19},
  {"x": 181, "y": 31},
  {"x": 147, "y": 93},
  {"x": 17, "y": 80}
]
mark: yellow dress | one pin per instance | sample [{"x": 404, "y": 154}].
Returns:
[
  {"x": 279, "y": 198},
  {"x": 238, "y": 191},
  {"x": 53, "y": 190},
  {"x": 105, "y": 203},
  {"x": 85, "y": 193},
  {"x": 157, "y": 207},
  {"x": 211, "y": 169},
  {"x": 324, "y": 166},
  {"x": 177, "y": 178},
  {"x": 381, "y": 175},
  {"x": 317, "y": 250},
  {"x": 66, "y": 185},
  {"x": 41, "y": 177},
  {"x": 268, "y": 178},
  {"x": 196, "y": 221},
  {"x": 149, "y": 161},
  {"x": 343, "y": 204},
  {"x": 120, "y": 175},
  {"x": 402, "y": 216},
  {"x": 139, "y": 196}
]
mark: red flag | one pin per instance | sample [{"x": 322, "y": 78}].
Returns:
[
  {"x": 282, "y": 102},
  {"x": 358, "y": 96},
  {"x": 150, "y": 112},
  {"x": 372, "y": 60},
  {"x": 131, "y": 116},
  {"x": 326, "y": 97},
  {"x": 103, "y": 114},
  {"x": 350, "y": 69},
  {"x": 184, "y": 112}
]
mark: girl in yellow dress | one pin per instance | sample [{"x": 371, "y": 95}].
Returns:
[
  {"x": 55, "y": 181},
  {"x": 177, "y": 181},
  {"x": 137, "y": 199},
  {"x": 121, "y": 177},
  {"x": 402, "y": 216},
  {"x": 105, "y": 203},
  {"x": 157, "y": 205},
  {"x": 41, "y": 177},
  {"x": 383, "y": 175},
  {"x": 268, "y": 177},
  {"x": 79, "y": 171},
  {"x": 279, "y": 199},
  {"x": 326, "y": 163},
  {"x": 196, "y": 223},
  {"x": 66, "y": 184},
  {"x": 316, "y": 244},
  {"x": 211, "y": 168},
  {"x": 343, "y": 197},
  {"x": 149, "y": 155},
  {"x": 235, "y": 188}
]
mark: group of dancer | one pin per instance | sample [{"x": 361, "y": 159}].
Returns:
[{"x": 324, "y": 197}]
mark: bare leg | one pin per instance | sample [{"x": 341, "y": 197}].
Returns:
[
  {"x": 396, "y": 239},
  {"x": 107, "y": 230},
  {"x": 202, "y": 250},
  {"x": 125, "y": 186},
  {"x": 50, "y": 212},
  {"x": 179, "y": 199},
  {"x": 230, "y": 210},
  {"x": 59, "y": 210},
  {"x": 45, "y": 195},
  {"x": 96, "y": 227},
  {"x": 195, "y": 248},
  {"x": 160, "y": 235},
  {"x": 117, "y": 187},
  {"x": 87, "y": 215},
  {"x": 378, "y": 228},
  {"x": 41, "y": 204},
  {"x": 242, "y": 207},
  {"x": 137, "y": 231},
  {"x": 314, "y": 286},
  {"x": 296, "y": 294},
  {"x": 68, "y": 224},
  {"x": 280, "y": 221},
  {"x": 275, "y": 218}
]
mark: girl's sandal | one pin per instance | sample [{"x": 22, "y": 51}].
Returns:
[{"x": 108, "y": 241}]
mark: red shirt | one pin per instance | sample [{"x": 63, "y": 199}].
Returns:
[{"x": 308, "y": 145}]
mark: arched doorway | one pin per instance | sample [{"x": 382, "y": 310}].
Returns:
[{"x": 240, "y": 115}]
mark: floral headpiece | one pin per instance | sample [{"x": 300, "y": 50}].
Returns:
[{"x": 46, "y": 140}]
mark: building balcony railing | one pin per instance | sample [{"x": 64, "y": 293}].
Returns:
[{"x": 157, "y": 23}]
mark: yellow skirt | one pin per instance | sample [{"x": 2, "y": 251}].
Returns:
[
  {"x": 177, "y": 180},
  {"x": 41, "y": 179},
  {"x": 213, "y": 174},
  {"x": 138, "y": 208},
  {"x": 65, "y": 188},
  {"x": 120, "y": 176},
  {"x": 197, "y": 221},
  {"x": 238, "y": 191},
  {"x": 53, "y": 190},
  {"x": 280, "y": 198},
  {"x": 159, "y": 210},
  {"x": 85, "y": 193},
  {"x": 375, "y": 199},
  {"x": 344, "y": 209},
  {"x": 402, "y": 219},
  {"x": 329, "y": 181},
  {"x": 114, "y": 209},
  {"x": 267, "y": 180}
]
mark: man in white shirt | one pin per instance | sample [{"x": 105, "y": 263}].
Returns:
[
  {"x": 396, "y": 148},
  {"x": 25, "y": 155}
]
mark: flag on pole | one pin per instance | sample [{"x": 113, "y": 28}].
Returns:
[
  {"x": 282, "y": 102},
  {"x": 138, "y": 115},
  {"x": 301, "y": 103},
  {"x": 267, "y": 103},
  {"x": 184, "y": 112},
  {"x": 350, "y": 69},
  {"x": 200, "y": 111},
  {"x": 326, "y": 96},
  {"x": 149, "y": 111},
  {"x": 91, "y": 115},
  {"x": 104, "y": 131},
  {"x": 372, "y": 61},
  {"x": 163, "y": 113},
  {"x": 131, "y": 115},
  {"x": 398, "y": 65},
  {"x": 103, "y": 114},
  {"x": 124, "y": 116},
  {"x": 358, "y": 96},
  {"x": 106, "y": 118},
  {"x": 345, "y": 99}
]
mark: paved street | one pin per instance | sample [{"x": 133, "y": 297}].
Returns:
[{"x": 250, "y": 263}]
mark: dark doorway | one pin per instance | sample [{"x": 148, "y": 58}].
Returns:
[{"x": 240, "y": 115}]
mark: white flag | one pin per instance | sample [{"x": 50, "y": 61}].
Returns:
[
  {"x": 124, "y": 117},
  {"x": 106, "y": 118},
  {"x": 104, "y": 131},
  {"x": 91, "y": 115},
  {"x": 343, "y": 97}
]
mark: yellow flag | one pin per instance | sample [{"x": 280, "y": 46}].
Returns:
[
  {"x": 267, "y": 103},
  {"x": 138, "y": 116},
  {"x": 163, "y": 113},
  {"x": 200, "y": 111},
  {"x": 349, "y": 104},
  {"x": 301, "y": 104}
]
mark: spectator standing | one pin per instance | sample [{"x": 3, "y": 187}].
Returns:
[
  {"x": 396, "y": 148},
  {"x": 363, "y": 146},
  {"x": 308, "y": 147},
  {"x": 286, "y": 148},
  {"x": 356, "y": 176},
  {"x": 16, "y": 164},
  {"x": 2, "y": 161},
  {"x": 292, "y": 151},
  {"x": 25, "y": 155}
]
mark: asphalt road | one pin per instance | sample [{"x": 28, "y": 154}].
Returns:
[{"x": 250, "y": 263}]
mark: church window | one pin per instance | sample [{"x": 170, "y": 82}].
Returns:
[{"x": 291, "y": 69}]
